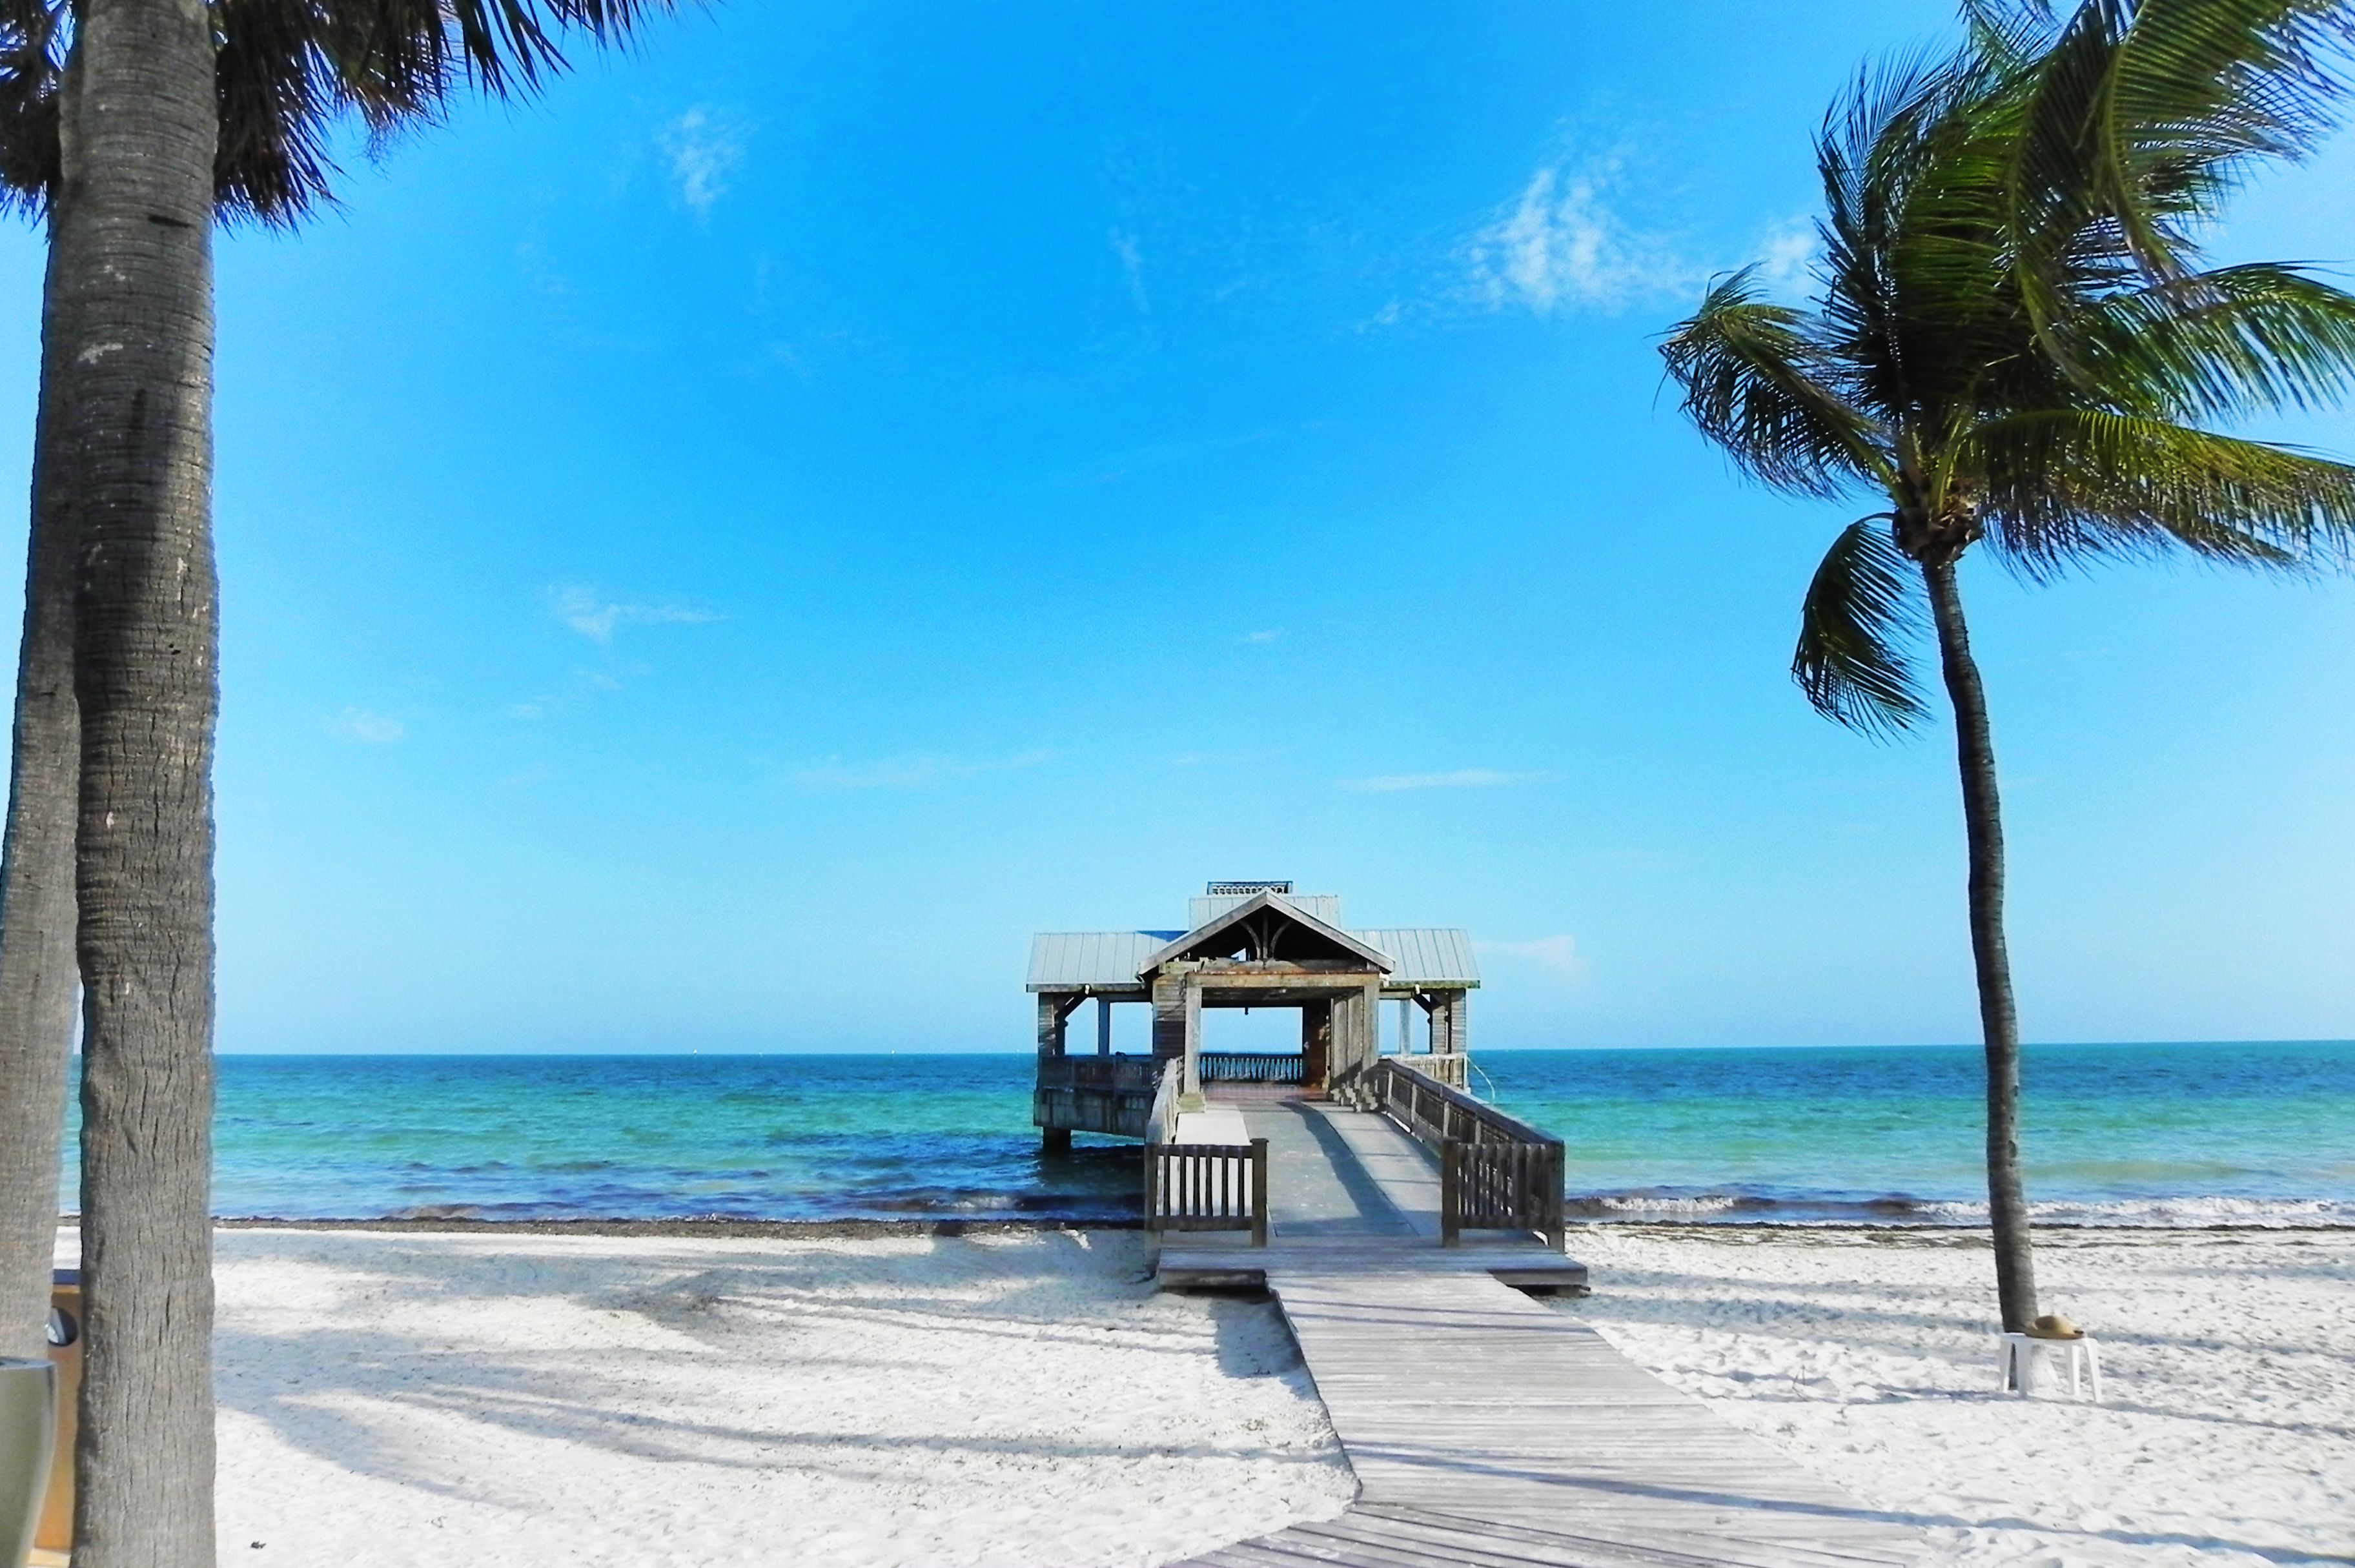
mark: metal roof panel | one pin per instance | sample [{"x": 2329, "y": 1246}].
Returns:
[
  {"x": 1426, "y": 954},
  {"x": 1075, "y": 960}
]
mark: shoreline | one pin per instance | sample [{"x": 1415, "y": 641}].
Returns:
[{"x": 950, "y": 1225}]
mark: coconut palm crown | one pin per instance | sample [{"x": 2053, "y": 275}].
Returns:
[
  {"x": 2061, "y": 420},
  {"x": 287, "y": 72},
  {"x": 2016, "y": 343}
]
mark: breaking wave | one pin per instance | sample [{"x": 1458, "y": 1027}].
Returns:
[{"x": 1677, "y": 1206}]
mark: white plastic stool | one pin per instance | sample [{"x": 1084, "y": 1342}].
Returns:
[{"x": 2019, "y": 1362}]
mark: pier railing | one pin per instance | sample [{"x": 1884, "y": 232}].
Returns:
[
  {"x": 1207, "y": 1187},
  {"x": 1161, "y": 1125},
  {"x": 1252, "y": 1066},
  {"x": 1201, "y": 1187},
  {"x": 1097, "y": 1074},
  {"x": 1093, "y": 1093},
  {"x": 1496, "y": 1172},
  {"x": 1452, "y": 1068}
]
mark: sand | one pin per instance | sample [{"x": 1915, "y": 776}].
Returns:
[
  {"x": 2227, "y": 1435},
  {"x": 1027, "y": 1398}
]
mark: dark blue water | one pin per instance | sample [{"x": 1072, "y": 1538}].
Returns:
[{"x": 2134, "y": 1134}]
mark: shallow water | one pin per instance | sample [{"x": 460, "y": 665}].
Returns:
[{"x": 2115, "y": 1134}]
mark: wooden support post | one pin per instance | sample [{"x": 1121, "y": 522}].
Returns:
[
  {"x": 1190, "y": 1086},
  {"x": 1315, "y": 1044},
  {"x": 1169, "y": 1015},
  {"x": 1104, "y": 1026},
  {"x": 1054, "y": 1014},
  {"x": 1406, "y": 1025},
  {"x": 1259, "y": 1192}
]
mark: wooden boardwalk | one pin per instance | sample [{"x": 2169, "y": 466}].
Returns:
[{"x": 1486, "y": 1428}]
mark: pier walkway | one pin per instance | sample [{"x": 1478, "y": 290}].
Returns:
[{"x": 1486, "y": 1428}]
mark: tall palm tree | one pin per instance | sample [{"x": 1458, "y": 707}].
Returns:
[
  {"x": 133, "y": 126},
  {"x": 2014, "y": 346}
]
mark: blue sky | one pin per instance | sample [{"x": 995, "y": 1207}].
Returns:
[{"x": 716, "y": 558}]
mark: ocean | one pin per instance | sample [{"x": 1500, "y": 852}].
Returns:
[{"x": 2150, "y": 1135}]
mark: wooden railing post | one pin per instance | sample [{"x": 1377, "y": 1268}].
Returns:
[
  {"x": 1152, "y": 1199},
  {"x": 1259, "y": 1192},
  {"x": 1556, "y": 1231},
  {"x": 1451, "y": 1193}
]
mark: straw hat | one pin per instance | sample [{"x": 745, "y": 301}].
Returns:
[{"x": 2053, "y": 1326}]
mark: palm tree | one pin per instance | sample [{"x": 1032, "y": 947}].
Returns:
[
  {"x": 133, "y": 126},
  {"x": 2015, "y": 344}
]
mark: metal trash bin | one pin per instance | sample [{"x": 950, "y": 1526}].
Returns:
[
  {"x": 55, "y": 1532},
  {"x": 29, "y": 1428}
]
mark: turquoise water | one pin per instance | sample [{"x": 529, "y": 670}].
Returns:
[
  {"x": 2260, "y": 1133},
  {"x": 2136, "y": 1133}
]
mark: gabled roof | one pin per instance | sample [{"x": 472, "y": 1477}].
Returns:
[{"x": 1208, "y": 934}]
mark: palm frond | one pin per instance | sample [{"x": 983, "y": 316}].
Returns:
[
  {"x": 1747, "y": 366},
  {"x": 1897, "y": 248},
  {"x": 33, "y": 37},
  {"x": 278, "y": 95},
  {"x": 2066, "y": 486},
  {"x": 2012, "y": 34},
  {"x": 390, "y": 63},
  {"x": 1859, "y": 611},
  {"x": 287, "y": 71},
  {"x": 2142, "y": 115},
  {"x": 2222, "y": 344}
]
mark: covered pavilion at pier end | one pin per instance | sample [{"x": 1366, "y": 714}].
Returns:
[{"x": 1248, "y": 944}]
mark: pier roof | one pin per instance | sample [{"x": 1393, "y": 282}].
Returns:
[{"x": 1103, "y": 961}]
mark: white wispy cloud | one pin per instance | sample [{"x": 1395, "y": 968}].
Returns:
[
  {"x": 1564, "y": 245},
  {"x": 1459, "y": 778},
  {"x": 596, "y": 617},
  {"x": 367, "y": 727},
  {"x": 704, "y": 149},
  {"x": 1558, "y": 955},
  {"x": 1787, "y": 254},
  {"x": 911, "y": 773},
  {"x": 1272, "y": 634}
]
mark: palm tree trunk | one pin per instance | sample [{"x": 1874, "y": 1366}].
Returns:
[
  {"x": 37, "y": 914},
  {"x": 129, "y": 317},
  {"x": 2015, "y": 1269}
]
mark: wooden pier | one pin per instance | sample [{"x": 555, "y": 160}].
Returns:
[
  {"x": 1403, "y": 1227},
  {"x": 1485, "y": 1427}
]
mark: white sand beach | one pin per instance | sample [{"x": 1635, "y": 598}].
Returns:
[
  {"x": 2228, "y": 1431},
  {"x": 1029, "y": 1398},
  {"x": 413, "y": 1400}
]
